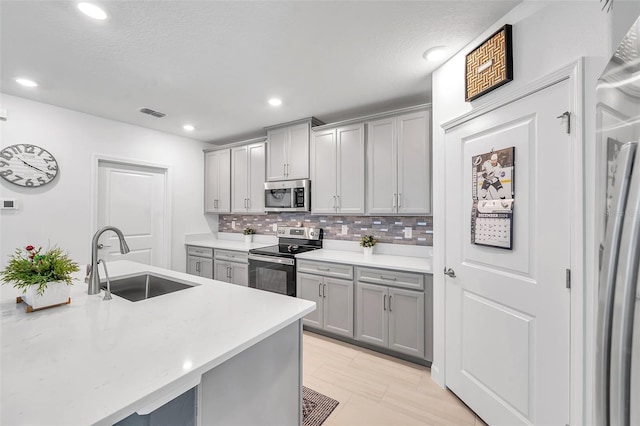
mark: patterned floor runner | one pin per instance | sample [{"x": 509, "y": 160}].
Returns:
[{"x": 316, "y": 407}]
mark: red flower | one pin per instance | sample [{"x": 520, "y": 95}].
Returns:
[{"x": 30, "y": 247}]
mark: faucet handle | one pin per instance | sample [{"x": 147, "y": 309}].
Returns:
[{"x": 86, "y": 278}]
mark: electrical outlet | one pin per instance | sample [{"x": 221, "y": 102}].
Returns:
[
  {"x": 233, "y": 224},
  {"x": 408, "y": 232},
  {"x": 345, "y": 229}
]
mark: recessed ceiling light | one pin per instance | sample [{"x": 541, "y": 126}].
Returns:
[
  {"x": 92, "y": 11},
  {"x": 275, "y": 102},
  {"x": 435, "y": 54},
  {"x": 188, "y": 127},
  {"x": 26, "y": 82}
]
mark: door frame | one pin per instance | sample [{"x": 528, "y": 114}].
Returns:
[
  {"x": 95, "y": 164},
  {"x": 579, "y": 361}
]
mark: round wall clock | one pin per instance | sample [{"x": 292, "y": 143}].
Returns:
[{"x": 27, "y": 165}]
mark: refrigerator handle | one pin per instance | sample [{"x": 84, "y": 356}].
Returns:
[{"x": 607, "y": 282}]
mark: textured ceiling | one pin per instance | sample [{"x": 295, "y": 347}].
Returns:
[{"x": 216, "y": 63}]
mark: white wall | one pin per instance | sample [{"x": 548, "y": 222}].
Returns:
[
  {"x": 60, "y": 212},
  {"x": 547, "y": 35}
]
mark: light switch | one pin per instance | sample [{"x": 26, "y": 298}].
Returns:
[
  {"x": 274, "y": 227},
  {"x": 233, "y": 224},
  {"x": 345, "y": 229},
  {"x": 408, "y": 232}
]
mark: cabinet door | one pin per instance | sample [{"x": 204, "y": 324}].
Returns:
[
  {"x": 206, "y": 267},
  {"x": 381, "y": 166},
  {"x": 211, "y": 160},
  {"x": 298, "y": 152},
  {"x": 255, "y": 178},
  {"x": 338, "y": 306},
  {"x": 239, "y": 184},
  {"x": 350, "y": 169},
  {"x": 240, "y": 274},
  {"x": 309, "y": 287},
  {"x": 323, "y": 172},
  {"x": 276, "y": 156},
  {"x": 372, "y": 317},
  {"x": 222, "y": 271},
  {"x": 414, "y": 163},
  {"x": 193, "y": 266},
  {"x": 406, "y": 321},
  {"x": 224, "y": 181}
]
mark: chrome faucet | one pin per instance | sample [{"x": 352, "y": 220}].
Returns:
[{"x": 94, "y": 277}]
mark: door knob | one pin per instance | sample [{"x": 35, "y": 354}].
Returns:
[{"x": 450, "y": 272}]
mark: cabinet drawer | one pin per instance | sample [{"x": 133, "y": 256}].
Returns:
[
  {"x": 390, "y": 278},
  {"x": 232, "y": 256},
  {"x": 200, "y": 251},
  {"x": 325, "y": 269}
]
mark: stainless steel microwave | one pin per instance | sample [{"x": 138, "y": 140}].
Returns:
[{"x": 287, "y": 196}]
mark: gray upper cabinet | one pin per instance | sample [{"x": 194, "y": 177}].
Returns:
[
  {"x": 247, "y": 178},
  {"x": 288, "y": 150},
  {"x": 217, "y": 182},
  {"x": 399, "y": 164},
  {"x": 338, "y": 170}
]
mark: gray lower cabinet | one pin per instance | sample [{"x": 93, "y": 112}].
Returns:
[
  {"x": 232, "y": 267},
  {"x": 389, "y": 316},
  {"x": 334, "y": 302},
  {"x": 200, "y": 261}
]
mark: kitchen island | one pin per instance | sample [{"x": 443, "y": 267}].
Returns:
[{"x": 98, "y": 362}]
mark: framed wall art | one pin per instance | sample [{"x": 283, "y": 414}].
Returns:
[{"x": 489, "y": 65}]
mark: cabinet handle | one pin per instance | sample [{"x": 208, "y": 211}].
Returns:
[
  {"x": 228, "y": 272},
  {"x": 393, "y": 200},
  {"x": 399, "y": 199},
  {"x": 197, "y": 266},
  {"x": 248, "y": 203},
  {"x": 319, "y": 289},
  {"x": 287, "y": 172},
  {"x": 390, "y": 303},
  {"x": 334, "y": 202},
  {"x": 339, "y": 205},
  {"x": 323, "y": 269},
  {"x": 324, "y": 287},
  {"x": 388, "y": 279},
  {"x": 284, "y": 169},
  {"x": 384, "y": 302}
]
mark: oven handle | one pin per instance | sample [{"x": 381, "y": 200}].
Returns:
[{"x": 272, "y": 259}]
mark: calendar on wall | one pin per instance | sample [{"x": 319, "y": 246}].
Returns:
[{"x": 493, "y": 195}]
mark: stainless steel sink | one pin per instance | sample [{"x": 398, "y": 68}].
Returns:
[{"x": 144, "y": 286}]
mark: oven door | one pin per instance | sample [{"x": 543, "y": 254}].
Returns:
[{"x": 272, "y": 273}]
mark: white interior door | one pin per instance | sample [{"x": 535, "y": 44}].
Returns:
[
  {"x": 133, "y": 199},
  {"x": 508, "y": 311}
]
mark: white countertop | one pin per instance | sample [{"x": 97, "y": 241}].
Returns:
[
  {"x": 402, "y": 263},
  {"x": 96, "y": 361},
  {"x": 226, "y": 244}
]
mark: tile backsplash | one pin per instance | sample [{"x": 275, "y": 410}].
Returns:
[{"x": 387, "y": 229}]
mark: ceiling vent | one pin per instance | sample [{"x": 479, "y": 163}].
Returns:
[{"x": 152, "y": 112}]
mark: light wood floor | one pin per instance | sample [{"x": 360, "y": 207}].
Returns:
[{"x": 375, "y": 389}]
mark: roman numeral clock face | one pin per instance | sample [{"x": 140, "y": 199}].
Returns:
[{"x": 27, "y": 165}]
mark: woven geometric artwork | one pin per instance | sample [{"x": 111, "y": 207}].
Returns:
[{"x": 490, "y": 65}]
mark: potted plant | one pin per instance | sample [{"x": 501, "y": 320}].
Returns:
[
  {"x": 367, "y": 242},
  {"x": 248, "y": 234},
  {"x": 43, "y": 277}
]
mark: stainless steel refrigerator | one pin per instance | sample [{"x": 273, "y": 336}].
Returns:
[{"x": 618, "y": 333}]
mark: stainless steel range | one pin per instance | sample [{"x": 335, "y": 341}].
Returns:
[{"x": 273, "y": 268}]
